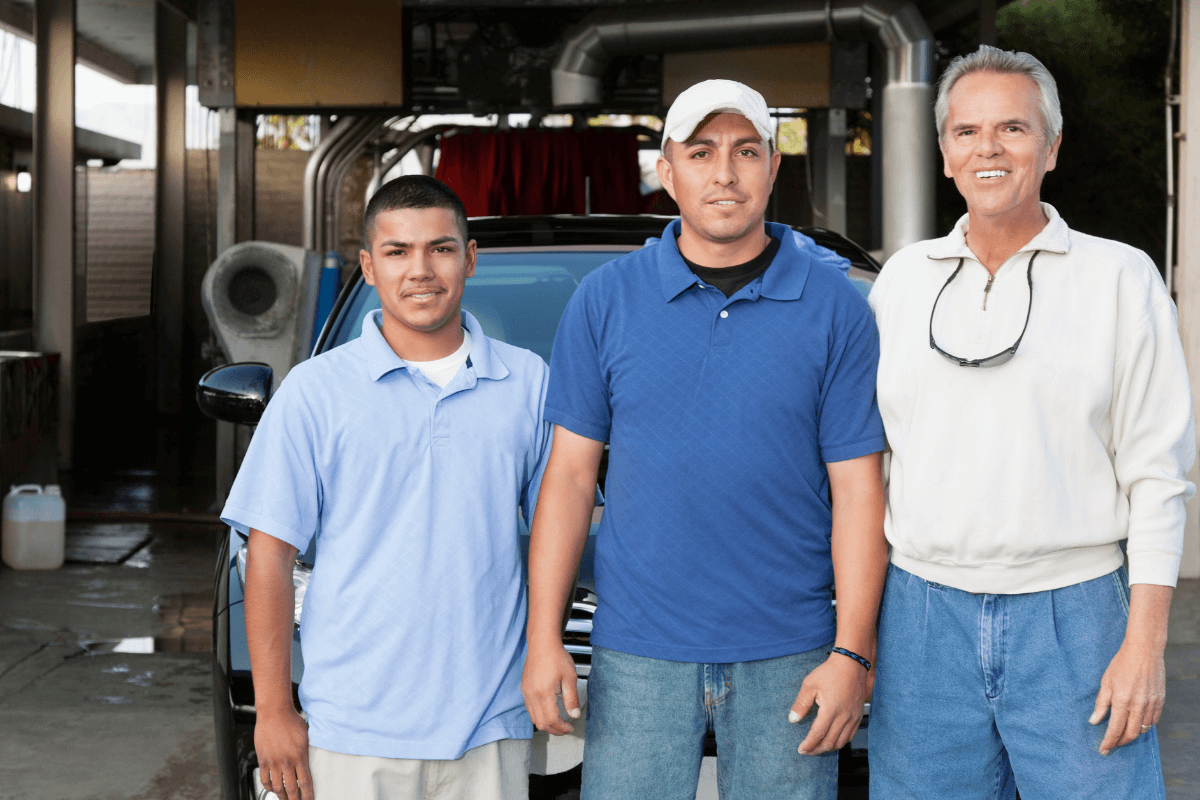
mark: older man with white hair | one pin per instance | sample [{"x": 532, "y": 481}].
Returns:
[{"x": 1039, "y": 415}]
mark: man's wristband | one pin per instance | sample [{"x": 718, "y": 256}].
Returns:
[{"x": 848, "y": 654}]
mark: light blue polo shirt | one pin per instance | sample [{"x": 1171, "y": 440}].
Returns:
[
  {"x": 413, "y": 623},
  {"x": 721, "y": 414}
]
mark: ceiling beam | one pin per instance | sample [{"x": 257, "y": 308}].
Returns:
[{"x": 17, "y": 18}]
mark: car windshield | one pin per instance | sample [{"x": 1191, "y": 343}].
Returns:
[{"x": 517, "y": 296}]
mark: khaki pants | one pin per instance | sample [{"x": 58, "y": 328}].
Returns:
[{"x": 494, "y": 771}]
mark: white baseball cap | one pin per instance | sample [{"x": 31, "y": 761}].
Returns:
[{"x": 724, "y": 96}]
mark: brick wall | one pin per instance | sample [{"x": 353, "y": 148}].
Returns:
[{"x": 120, "y": 242}]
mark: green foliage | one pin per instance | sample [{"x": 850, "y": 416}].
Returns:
[{"x": 1108, "y": 57}]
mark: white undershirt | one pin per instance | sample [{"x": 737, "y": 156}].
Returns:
[{"x": 442, "y": 370}]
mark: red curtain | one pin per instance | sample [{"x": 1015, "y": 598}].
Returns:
[{"x": 543, "y": 172}]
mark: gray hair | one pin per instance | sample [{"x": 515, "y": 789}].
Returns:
[{"x": 993, "y": 59}]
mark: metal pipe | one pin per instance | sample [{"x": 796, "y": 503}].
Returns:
[
  {"x": 403, "y": 147},
  {"x": 345, "y": 133},
  {"x": 909, "y": 149},
  {"x": 338, "y": 171},
  {"x": 328, "y": 179},
  {"x": 311, "y": 170},
  {"x": 338, "y": 167}
]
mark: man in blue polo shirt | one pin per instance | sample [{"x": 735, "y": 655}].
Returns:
[
  {"x": 405, "y": 453},
  {"x": 733, "y": 374}
]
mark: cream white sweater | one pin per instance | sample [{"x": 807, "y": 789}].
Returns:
[{"x": 1024, "y": 477}]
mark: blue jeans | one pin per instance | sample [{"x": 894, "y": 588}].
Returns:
[
  {"x": 979, "y": 695},
  {"x": 647, "y": 719}
]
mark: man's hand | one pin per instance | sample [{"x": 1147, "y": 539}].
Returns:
[
  {"x": 549, "y": 671},
  {"x": 1135, "y": 684},
  {"x": 839, "y": 687},
  {"x": 281, "y": 742},
  {"x": 559, "y": 532},
  {"x": 280, "y": 735}
]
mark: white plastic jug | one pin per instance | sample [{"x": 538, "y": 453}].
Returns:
[{"x": 34, "y": 527}]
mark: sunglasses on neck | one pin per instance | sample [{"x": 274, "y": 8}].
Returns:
[{"x": 1005, "y": 355}]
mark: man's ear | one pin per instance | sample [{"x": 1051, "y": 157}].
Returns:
[
  {"x": 663, "y": 168},
  {"x": 368, "y": 268},
  {"x": 471, "y": 253},
  {"x": 1052, "y": 156},
  {"x": 776, "y": 160}
]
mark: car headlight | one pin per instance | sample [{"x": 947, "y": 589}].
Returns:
[{"x": 301, "y": 573}]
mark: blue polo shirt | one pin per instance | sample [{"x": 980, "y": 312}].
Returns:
[
  {"x": 721, "y": 414},
  {"x": 413, "y": 623}
]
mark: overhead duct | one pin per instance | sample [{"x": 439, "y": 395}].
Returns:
[{"x": 909, "y": 146}]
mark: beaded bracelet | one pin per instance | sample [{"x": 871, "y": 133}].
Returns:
[{"x": 844, "y": 652}]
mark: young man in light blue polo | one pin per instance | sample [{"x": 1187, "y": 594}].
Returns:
[
  {"x": 405, "y": 453},
  {"x": 732, "y": 372}
]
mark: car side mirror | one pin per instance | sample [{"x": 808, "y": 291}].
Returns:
[{"x": 235, "y": 392}]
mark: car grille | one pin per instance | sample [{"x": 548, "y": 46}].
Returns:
[{"x": 577, "y": 638}]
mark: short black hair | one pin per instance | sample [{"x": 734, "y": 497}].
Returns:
[{"x": 412, "y": 191}]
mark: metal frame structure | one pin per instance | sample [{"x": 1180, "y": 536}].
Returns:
[
  {"x": 909, "y": 146},
  {"x": 54, "y": 281},
  {"x": 329, "y": 162},
  {"x": 170, "y": 178}
]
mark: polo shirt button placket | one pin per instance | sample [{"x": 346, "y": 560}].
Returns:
[
  {"x": 720, "y": 334},
  {"x": 439, "y": 425}
]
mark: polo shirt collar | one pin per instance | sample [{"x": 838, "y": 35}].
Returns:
[
  {"x": 382, "y": 359},
  {"x": 483, "y": 359},
  {"x": 783, "y": 280},
  {"x": 1055, "y": 237}
]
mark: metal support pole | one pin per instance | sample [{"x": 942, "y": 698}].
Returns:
[
  {"x": 878, "y": 81},
  {"x": 170, "y": 81},
  {"x": 235, "y": 178},
  {"x": 226, "y": 179},
  {"x": 908, "y": 156},
  {"x": 827, "y": 149},
  {"x": 54, "y": 203},
  {"x": 235, "y": 223},
  {"x": 247, "y": 140}
]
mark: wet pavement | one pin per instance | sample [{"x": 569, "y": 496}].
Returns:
[
  {"x": 105, "y": 675},
  {"x": 1179, "y": 728},
  {"x": 105, "y": 679}
]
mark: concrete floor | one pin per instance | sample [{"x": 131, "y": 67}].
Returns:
[
  {"x": 83, "y": 718},
  {"x": 1179, "y": 728},
  {"x": 80, "y": 717}
]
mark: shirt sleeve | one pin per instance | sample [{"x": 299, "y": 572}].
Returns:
[
  {"x": 849, "y": 424},
  {"x": 1154, "y": 439},
  {"x": 578, "y": 397},
  {"x": 545, "y": 435},
  {"x": 277, "y": 489}
]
